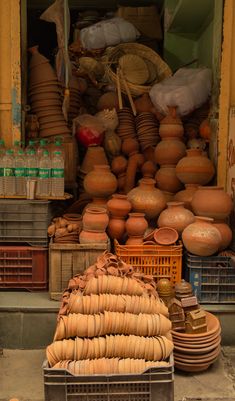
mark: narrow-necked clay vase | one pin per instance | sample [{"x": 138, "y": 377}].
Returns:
[
  {"x": 119, "y": 205},
  {"x": 212, "y": 202},
  {"x": 100, "y": 182},
  {"x": 201, "y": 237},
  {"x": 171, "y": 125},
  {"x": 116, "y": 227},
  {"x": 167, "y": 180},
  {"x": 195, "y": 168},
  {"x": 147, "y": 198},
  {"x": 136, "y": 224},
  {"x": 169, "y": 151},
  {"x": 95, "y": 218},
  {"x": 175, "y": 216},
  {"x": 226, "y": 234},
  {"x": 186, "y": 195}
]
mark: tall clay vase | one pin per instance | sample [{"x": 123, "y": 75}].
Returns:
[
  {"x": 147, "y": 198},
  {"x": 95, "y": 219},
  {"x": 167, "y": 180},
  {"x": 169, "y": 151},
  {"x": 226, "y": 234},
  {"x": 202, "y": 238},
  {"x": 116, "y": 227},
  {"x": 175, "y": 216},
  {"x": 186, "y": 196},
  {"x": 212, "y": 202},
  {"x": 195, "y": 168},
  {"x": 119, "y": 205},
  {"x": 100, "y": 182},
  {"x": 136, "y": 225}
]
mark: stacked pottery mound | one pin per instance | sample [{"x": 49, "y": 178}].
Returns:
[
  {"x": 46, "y": 96},
  {"x": 111, "y": 321},
  {"x": 126, "y": 127},
  {"x": 65, "y": 229},
  {"x": 147, "y": 130}
]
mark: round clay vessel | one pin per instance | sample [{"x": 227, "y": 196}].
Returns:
[
  {"x": 212, "y": 202},
  {"x": 92, "y": 237},
  {"x": 147, "y": 198},
  {"x": 175, "y": 216},
  {"x": 116, "y": 227},
  {"x": 136, "y": 224},
  {"x": 226, "y": 234},
  {"x": 100, "y": 182},
  {"x": 130, "y": 146},
  {"x": 135, "y": 240},
  {"x": 148, "y": 169},
  {"x": 186, "y": 195},
  {"x": 95, "y": 219},
  {"x": 171, "y": 125},
  {"x": 119, "y": 165},
  {"x": 166, "y": 236},
  {"x": 195, "y": 168},
  {"x": 167, "y": 180},
  {"x": 164, "y": 288},
  {"x": 94, "y": 155},
  {"x": 169, "y": 151},
  {"x": 119, "y": 205},
  {"x": 201, "y": 237}
]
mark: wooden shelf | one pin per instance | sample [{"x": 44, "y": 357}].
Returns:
[{"x": 65, "y": 197}]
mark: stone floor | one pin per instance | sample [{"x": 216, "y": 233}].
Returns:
[{"x": 21, "y": 377}]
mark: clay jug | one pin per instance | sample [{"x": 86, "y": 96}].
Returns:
[
  {"x": 186, "y": 195},
  {"x": 94, "y": 155},
  {"x": 119, "y": 205},
  {"x": 100, "y": 182},
  {"x": 226, "y": 234},
  {"x": 195, "y": 168},
  {"x": 147, "y": 198},
  {"x": 212, "y": 202},
  {"x": 201, "y": 237},
  {"x": 167, "y": 180},
  {"x": 136, "y": 224},
  {"x": 95, "y": 219},
  {"x": 92, "y": 237},
  {"x": 169, "y": 151},
  {"x": 175, "y": 216},
  {"x": 116, "y": 227},
  {"x": 171, "y": 125}
]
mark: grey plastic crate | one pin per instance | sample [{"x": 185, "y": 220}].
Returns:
[
  {"x": 25, "y": 221},
  {"x": 156, "y": 384}
]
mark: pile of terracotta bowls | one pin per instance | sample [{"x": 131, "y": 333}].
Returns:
[
  {"x": 126, "y": 127},
  {"x": 45, "y": 94},
  {"x": 147, "y": 130},
  {"x": 196, "y": 352}
]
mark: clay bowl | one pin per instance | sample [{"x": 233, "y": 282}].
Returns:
[
  {"x": 200, "y": 367},
  {"x": 50, "y": 110},
  {"x": 165, "y": 236},
  {"x": 45, "y": 89},
  {"x": 213, "y": 325},
  {"x": 55, "y": 131},
  {"x": 42, "y": 85},
  {"x": 197, "y": 351},
  {"x": 51, "y": 119},
  {"x": 45, "y": 126},
  {"x": 47, "y": 103},
  {"x": 42, "y": 73},
  {"x": 191, "y": 359},
  {"x": 197, "y": 344},
  {"x": 45, "y": 96}
]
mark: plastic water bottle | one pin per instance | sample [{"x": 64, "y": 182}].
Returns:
[
  {"x": 31, "y": 146},
  {"x": 57, "y": 174},
  {"x": 31, "y": 165},
  {"x": 44, "y": 175},
  {"x": 2, "y": 153},
  {"x": 58, "y": 146},
  {"x": 9, "y": 173},
  {"x": 2, "y": 148},
  {"x": 20, "y": 173},
  {"x": 41, "y": 148},
  {"x": 16, "y": 148}
]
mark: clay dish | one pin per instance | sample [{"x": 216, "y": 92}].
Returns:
[
  {"x": 192, "y": 368},
  {"x": 45, "y": 96},
  {"x": 210, "y": 357},
  {"x": 46, "y": 89},
  {"x": 197, "y": 351},
  {"x": 45, "y": 126},
  {"x": 213, "y": 325},
  {"x": 189, "y": 345},
  {"x": 47, "y": 102},
  {"x": 165, "y": 236},
  {"x": 51, "y": 119}
]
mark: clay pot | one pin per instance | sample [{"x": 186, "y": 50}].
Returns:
[
  {"x": 201, "y": 237},
  {"x": 130, "y": 146},
  {"x": 195, "y": 168},
  {"x": 148, "y": 169},
  {"x": 136, "y": 224},
  {"x": 36, "y": 57},
  {"x": 169, "y": 151},
  {"x": 119, "y": 165},
  {"x": 95, "y": 219},
  {"x": 167, "y": 180},
  {"x": 94, "y": 155},
  {"x": 116, "y": 227},
  {"x": 143, "y": 103},
  {"x": 175, "y": 216},
  {"x": 186, "y": 195},
  {"x": 42, "y": 73},
  {"x": 135, "y": 240},
  {"x": 212, "y": 202},
  {"x": 226, "y": 234},
  {"x": 171, "y": 125},
  {"x": 119, "y": 205},
  {"x": 147, "y": 198},
  {"x": 100, "y": 182},
  {"x": 169, "y": 196},
  {"x": 205, "y": 130},
  {"x": 166, "y": 236},
  {"x": 45, "y": 95},
  {"x": 134, "y": 163},
  {"x": 164, "y": 288},
  {"x": 92, "y": 237},
  {"x": 121, "y": 182}
]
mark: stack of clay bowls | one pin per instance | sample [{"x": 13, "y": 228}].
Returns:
[
  {"x": 196, "y": 352},
  {"x": 45, "y": 95},
  {"x": 126, "y": 127},
  {"x": 147, "y": 130}
]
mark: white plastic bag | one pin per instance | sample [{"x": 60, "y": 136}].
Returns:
[
  {"x": 187, "y": 90},
  {"x": 108, "y": 33}
]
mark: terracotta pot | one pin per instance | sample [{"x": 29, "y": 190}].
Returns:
[
  {"x": 119, "y": 205},
  {"x": 169, "y": 196},
  {"x": 164, "y": 288},
  {"x": 119, "y": 165},
  {"x": 95, "y": 219},
  {"x": 116, "y": 227},
  {"x": 149, "y": 154},
  {"x": 147, "y": 198},
  {"x": 121, "y": 182},
  {"x": 94, "y": 155},
  {"x": 136, "y": 224},
  {"x": 45, "y": 95},
  {"x": 51, "y": 119},
  {"x": 143, "y": 103},
  {"x": 201, "y": 237},
  {"x": 148, "y": 169},
  {"x": 166, "y": 236},
  {"x": 171, "y": 125},
  {"x": 92, "y": 237},
  {"x": 195, "y": 168},
  {"x": 169, "y": 151},
  {"x": 175, "y": 216},
  {"x": 212, "y": 202},
  {"x": 130, "y": 146},
  {"x": 55, "y": 124},
  {"x": 98, "y": 202},
  {"x": 134, "y": 163},
  {"x": 100, "y": 182},
  {"x": 186, "y": 195},
  {"x": 205, "y": 130},
  {"x": 167, "y": 180},
  {"x": 135, "y": 240},
  {"x": 36, "y": 57},
  {"x": 226, "y": 234}
]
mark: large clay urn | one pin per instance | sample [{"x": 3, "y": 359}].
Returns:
[
  {"x": 226, "y": 234},
  {"x": 100, "y": 182},
  {"x": 195, "y": 168},
  {"x": 147, "y": 198},
  {"x": 212, "y": 202},
  {"x": 167, "y": 180},
  {"x": 202, "y": 238},
  {"x": 175, "y": 216},
  {"x": 171, "y": 125},
  {"x": 186, "y": 195},
  {"x": 119, "y": 205},
  {"x": 95, "y": 219},
  {"x": 136, "y": 224},
  {"x": 169, "y": 151}
]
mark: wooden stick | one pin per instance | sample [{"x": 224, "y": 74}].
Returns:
[
  {"x": 128, "y": 94},
  {"x": 120, "y": 104}
]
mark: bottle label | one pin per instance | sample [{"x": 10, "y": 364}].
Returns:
[
  {"x": 8, "y": 172},
  {"x": 57, "y": 173},
  {"x": 32, "y": 172},
  {"x": 20, "y": 172},
  {"x": 1, "y": 172},
  {"x": 44, "y": 173}
]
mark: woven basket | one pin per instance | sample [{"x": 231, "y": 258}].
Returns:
[{"x": 113, "y": 54}]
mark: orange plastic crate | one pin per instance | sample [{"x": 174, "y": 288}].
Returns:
[{"x": 159, "y": 261}]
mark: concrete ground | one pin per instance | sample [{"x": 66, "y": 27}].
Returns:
[{"x": 21, "y": 377}]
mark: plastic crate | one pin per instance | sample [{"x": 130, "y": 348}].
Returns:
[
  {"x": 212, "y": 278},
  {"x": 156, "y": 384},
  {"x": 23, "y": 267},
  {"x": 159, "y": 261},
  {"x": 66, "y": 260},
  {"x": 25, "y": 221}
]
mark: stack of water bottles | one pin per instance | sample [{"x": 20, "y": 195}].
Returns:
[{"x": 35, "y": 162}]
